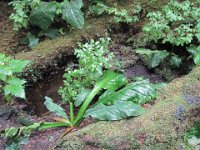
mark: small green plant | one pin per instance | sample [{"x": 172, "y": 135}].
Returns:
[
  {"x": 123, "y": 15},
  {"x": 124, "y": 102},
  {"x": 93, "y": 58},
  {"x": 155, "y": 58},
  {"x": 177, "y": 23},
  {"x": 21, "y": 12},
  {"x": 10, "y": 84},
  {"x": 192, "y": 138}
]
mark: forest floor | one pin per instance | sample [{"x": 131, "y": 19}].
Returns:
[{"x": 50, "y": 60}]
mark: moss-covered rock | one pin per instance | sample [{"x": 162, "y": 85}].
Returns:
[{"x": 158, "y": 128}]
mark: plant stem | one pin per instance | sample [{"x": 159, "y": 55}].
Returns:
[
  {"x": 71, "y": 112},
  {"x": 90, "y": 97},
  {"x": 48, "y": 125},
  {"x": 86, "y": 103}
]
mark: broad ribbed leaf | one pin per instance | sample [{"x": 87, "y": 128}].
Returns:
[
  {"x": 77, "y": 3},
  {"x": 73, "y": 15},
  {"x": 106, "y": 94},
  {"x": 5, "y": 70},
  {"x": 15, "y": 87},
  {"x": 98, "y": 7},
  {"x": 82, "y": 96},
  {"x": 44, "y": 15},
  {"x": 138, "y": 92},
  {"x": 118, "y": 81},
  {"x": 51, "y": 106},
  {"x": 18, "y": 65},
  {"x": 154, "y": 58},
  {"x": 195, "y": 52},
  {"x": 117, "y": 111}
]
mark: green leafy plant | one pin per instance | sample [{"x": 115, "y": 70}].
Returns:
[
  {"x": 118, "y": 101},
  {"x": 30, "y": 40},
  {"x": 93, "y": 58},
  {"x": 21, "y": 12},
  {"x": 192, "y": 138},
  {"x": 10, "y": 84},
  {"x": 114, "y": 104},
  {"x": 195, "y": 52},
  {"x": 177, "y": 23},
  {"x": 43, "y": 14},
  {"x": 98, "y": 7},
  {"x": 123, "y": 15},
  {"x": 17, "y": 136},
  {"x": 155, "y": 57}
]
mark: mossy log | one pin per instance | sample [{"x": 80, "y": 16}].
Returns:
[{"x": 158, "y": 128}]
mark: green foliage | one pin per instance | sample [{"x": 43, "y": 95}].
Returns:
[
  {"x": 123, "y": 15},
  {"x": 93, "y": 58},
  {"x": 192, "y": 138},
  {"x": 17, "y": 136},
  {"x": 118, "y": 104},
  {"x": 177, "y": 23},
  {"x": 10, "y": 84},
  {"x": 195, "y": 52},
  {"x": 120, "y": 109},
  {"x": 138, "y": 92},
  {"x": 98, "y": 7},
  {"x": 21, "y": 14},
  {"x": 175, "y": 61},
  {"x": 43, "y": 14},
  {"x": 56, "y": 109},
  {"x": 117, "y": 111},
  {"x": 72, "y": 14},
  {"x": 155, "y": 58},
  {"x": 30, "y": 40}
]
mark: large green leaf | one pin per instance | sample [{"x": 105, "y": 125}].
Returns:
[
  {"x": 98, "y": 7},
  {"x": 44, "y": 15},
  {"x": 154, "y": 58},
  {"x": 51, "y": 106},
  {"x": 195, "y": 52},
  {"x": 77, "y": 3},
  {"x": 117, "y": 111},
  {"x": 81, "y": 97},
  {"x": 117, "y": 82},
  {"x": 72, "y": 14},
  {"x": 18, "y": 65},
  {"x": 15, "y": 87},
  {"x": 138, "y": 92}
]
